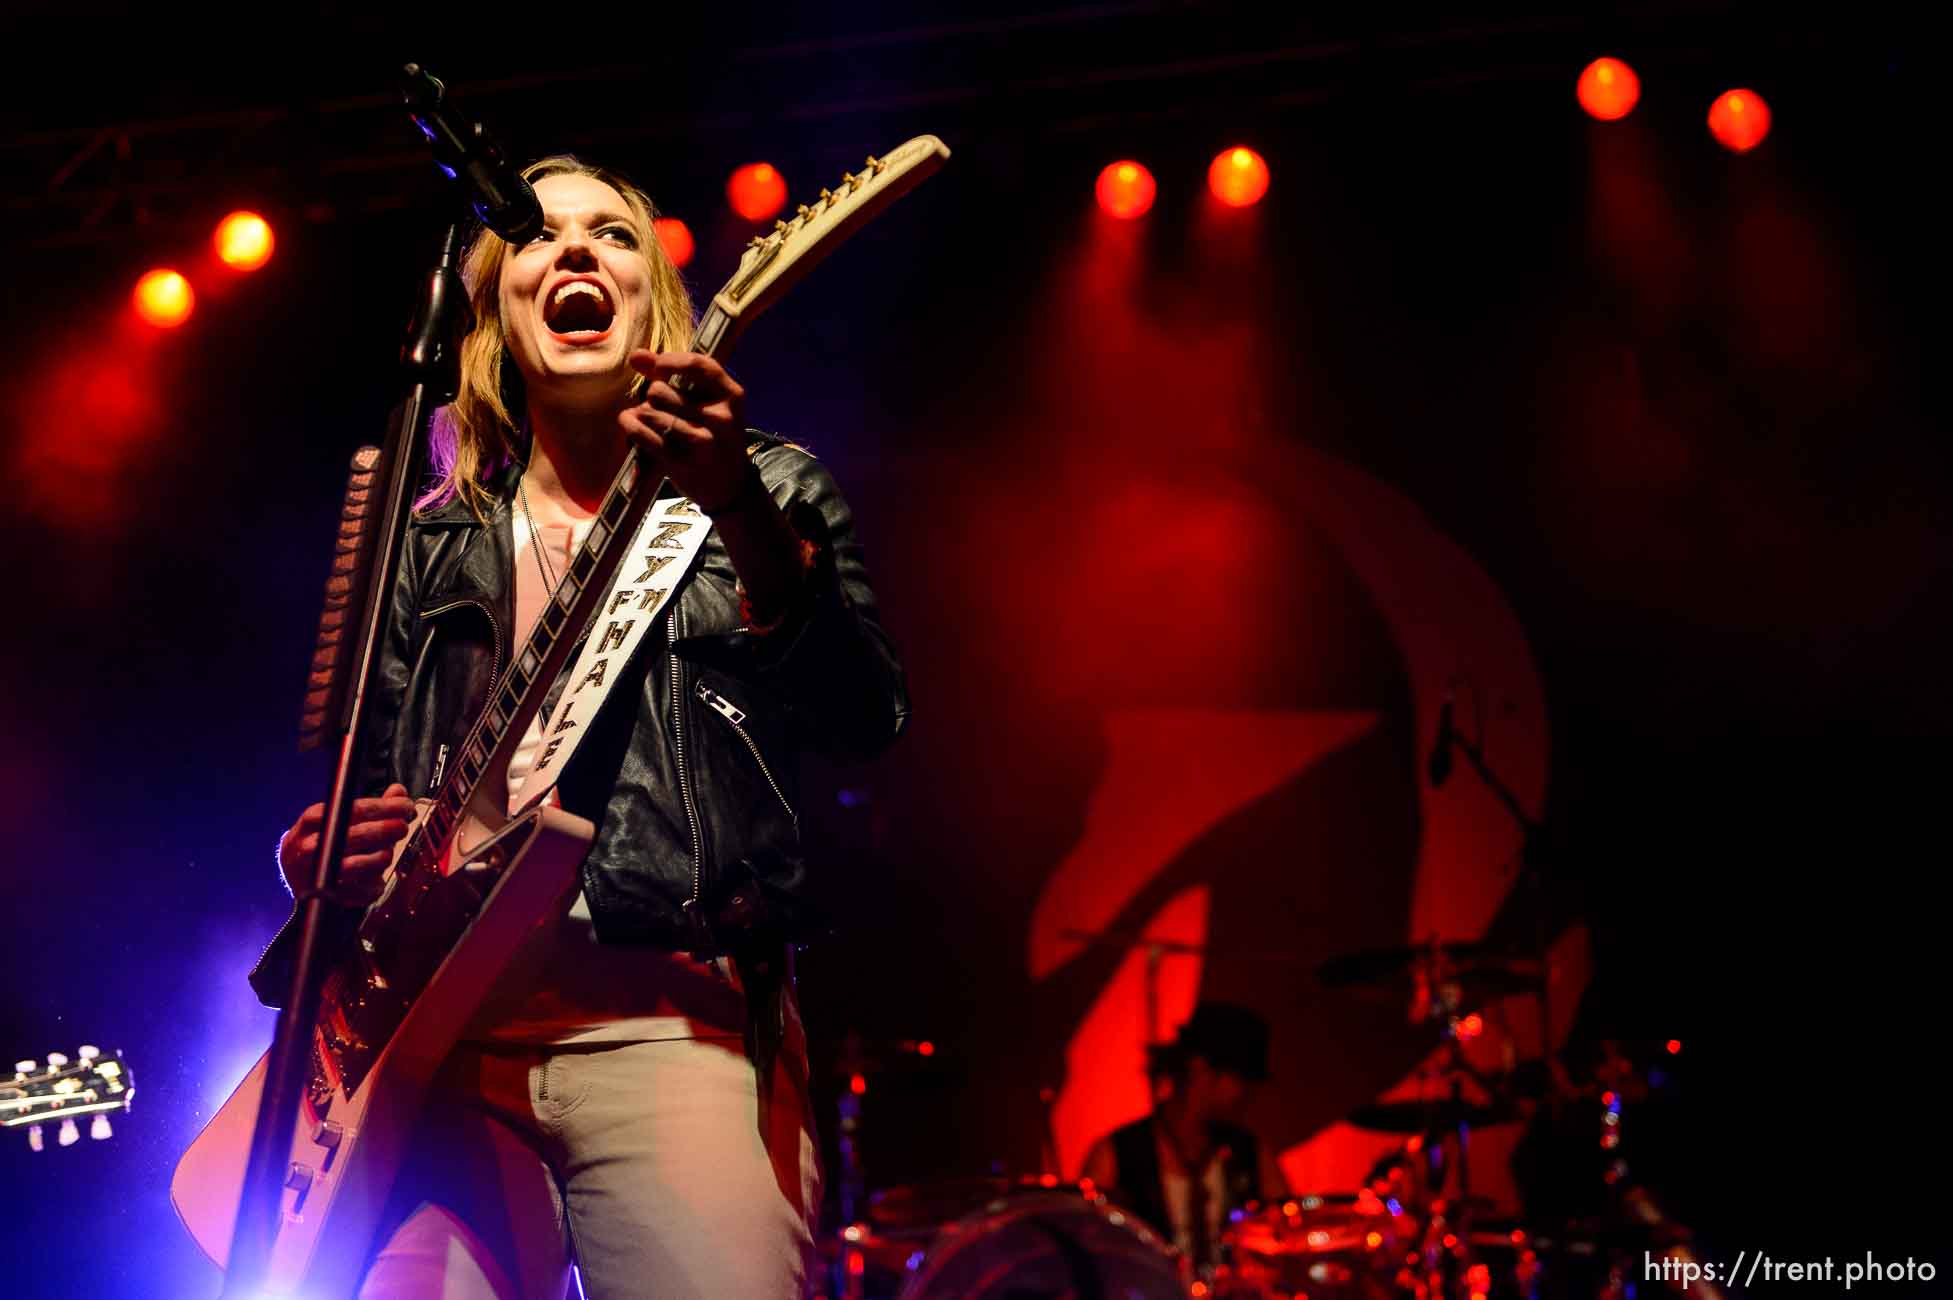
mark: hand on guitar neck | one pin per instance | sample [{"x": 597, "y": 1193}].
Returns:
[
  {"x": 376, "y": 825},
  {"x": 693, "y": 421}
]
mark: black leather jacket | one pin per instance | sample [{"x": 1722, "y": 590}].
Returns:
[{"x": 723, "y": 718}]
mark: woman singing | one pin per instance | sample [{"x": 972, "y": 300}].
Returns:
[{"x": 633, "y": 1095}]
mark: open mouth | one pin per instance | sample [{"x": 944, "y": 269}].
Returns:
[{"x": 579, "y": 310}]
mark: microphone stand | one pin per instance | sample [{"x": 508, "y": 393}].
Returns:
[
  {"x": 1529, "y": 871},
  {"x": 430, "y": 358}
]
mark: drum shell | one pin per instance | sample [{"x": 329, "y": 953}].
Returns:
[{"x": 1043, "y": 1241}]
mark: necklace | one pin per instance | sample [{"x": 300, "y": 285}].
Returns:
[{"x": 535, "y": 537}]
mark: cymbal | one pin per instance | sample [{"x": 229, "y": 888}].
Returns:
[{"x": 1428, "y": 1116}]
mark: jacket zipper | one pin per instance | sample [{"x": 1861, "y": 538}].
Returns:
[
  {"x": 495, "y": 654},
  {"x": 734, "y": 715},
  {"x": 684, "y": 781},
  {"x": 494, "y": 657}
]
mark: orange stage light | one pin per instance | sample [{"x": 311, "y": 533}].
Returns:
[
  {"x": 1739, "y": 119},
  {"x": 676, "y": 237},
  {"x": 757, "y": 191},
  {"x": 1608, "y": 89},
  {"x": 164, "y": 299},
  {"x": 1126, "y": 190},
  {"x": 243, "y": 241},
  {"x": 1238, "y": 177}
]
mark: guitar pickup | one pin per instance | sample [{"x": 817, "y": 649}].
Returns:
[
  {"x": 328, "y": 1135},
  {"x": 299, "y": 1181}
]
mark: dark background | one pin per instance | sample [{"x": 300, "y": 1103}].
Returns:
[{"x": 1676, "y": 402}]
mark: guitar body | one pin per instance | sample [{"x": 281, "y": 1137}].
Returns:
[{"x": 326, "y": 1229}]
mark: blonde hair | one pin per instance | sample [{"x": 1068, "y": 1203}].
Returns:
[{"x": 475, "y": 436}]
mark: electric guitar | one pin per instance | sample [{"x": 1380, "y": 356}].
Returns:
[
  {"x": 63, "y": 1091},
  {"x": 459, "y": 896}
]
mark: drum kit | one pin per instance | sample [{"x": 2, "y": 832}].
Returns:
[{"x": 1413, "y": 1230}]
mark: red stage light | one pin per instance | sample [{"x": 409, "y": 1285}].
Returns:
[
  {"x": 1238, "y": 177},
  {"x": 244, "y": 241},
  {"x": 1471, "y": 1026},
  {"x": 164, "y": 299},
  {"x": 676, "y": 237},
  {"x": 1739, "y": 119},
  {"x": 757, "y": 192},
  {"x": 1608, "y": 89},
  {"x": 1674, "y": 1047},
  {"x": 1126, "y": 190},
  {"x": 857, "y": 1085},
  {"x": 925, "y": 1048}
]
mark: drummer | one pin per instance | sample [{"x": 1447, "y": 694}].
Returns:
[{"x": 1185, "y": 1167}]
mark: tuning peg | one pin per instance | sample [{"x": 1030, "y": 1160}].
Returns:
[
  {"x": 70, "y": 1133},
  {"x": 100, "y": 1130},
  {"x": 35, "y": 1142},
  {"x": 87, "y": 1053},
  {"x": 779, "y": 227},
  {"x": 876, "y": 163},
  {"x": 24, "y": 1068},
  {"x": 57, "y": 1060},
  {"x": 803, "y": 211}
]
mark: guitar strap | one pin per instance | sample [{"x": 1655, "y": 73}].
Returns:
[{"x": 657, "y": 564}]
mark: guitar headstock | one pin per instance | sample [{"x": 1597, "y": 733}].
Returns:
[
  {"x": 60, "y": 1090},
  {"x": 773, "y": 262}
]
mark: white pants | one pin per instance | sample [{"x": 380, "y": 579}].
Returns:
[{"x": 649, "y": 1162}]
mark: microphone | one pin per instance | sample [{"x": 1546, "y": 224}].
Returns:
[
  {"x": 465, "y": 150},
  {"x": 1440, "y": 765}
]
